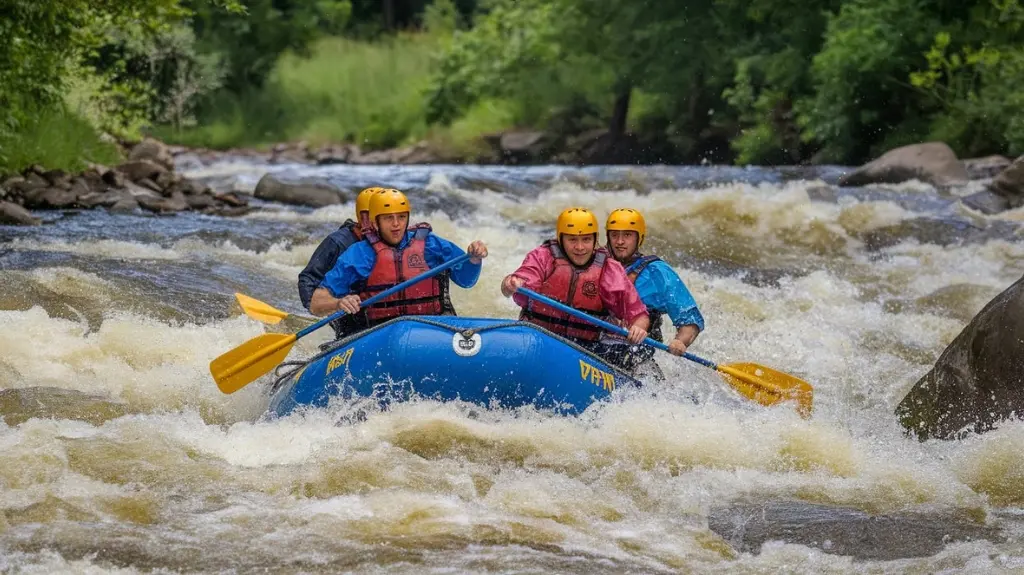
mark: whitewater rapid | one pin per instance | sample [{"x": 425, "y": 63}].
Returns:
[{"x": 119, "y": 455}]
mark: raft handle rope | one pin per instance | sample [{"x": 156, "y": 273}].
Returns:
[{"x": 328, "y": 348}]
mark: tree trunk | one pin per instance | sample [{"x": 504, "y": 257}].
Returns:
[
  {"x": 389, "y": 14},
  {"x": 620, "y": 111},
  {"x": 697, "y": 106},
  {"x": 708, "y": 142}
]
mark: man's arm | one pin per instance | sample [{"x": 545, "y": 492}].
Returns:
[
  {"x": 323, "y": 303},
  {"x": 323, "y": 259},
  {"x": 334, "y": 292},
  {"x": 530, "y": 274},
  {"x": 673, "y": 296},
  {"x": 685, "y": 334},
  {"x": 439, "y": 250}
]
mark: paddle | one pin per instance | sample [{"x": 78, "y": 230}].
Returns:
[
  {"x": 265, "y": 312},
  {"x": 757, "y": 382},
  {"x": 240, "y": 366}
]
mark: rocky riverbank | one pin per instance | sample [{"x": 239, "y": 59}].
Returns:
[
  {"x": 934, "y": 163},
  {"x": 930, "y": 162},
  {"x": 145, "y": 181},
  {"x": 517, "y": 147}
]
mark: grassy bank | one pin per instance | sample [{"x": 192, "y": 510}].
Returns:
[
  {"x": 346, "y": 91},
  {"x": 55, "y": 138}
]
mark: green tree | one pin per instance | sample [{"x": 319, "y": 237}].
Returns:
[
  {"x": 43, "y": 38},
  {"x": 45, "y": 43},
  {"x": 769, "y": 46},
  {"x": 512, "y": 52},
  {"x": 582, "y": 55},
  {"x": 251, "y": 43},
  {"x": 156, "y": 77},
  {"x": 971, "y": 77}
]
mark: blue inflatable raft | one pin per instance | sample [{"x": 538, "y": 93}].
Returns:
[{"x": 495, "y": 363}]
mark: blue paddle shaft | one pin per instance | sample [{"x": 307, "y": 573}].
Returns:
[
  {"x": 425, "y": 275},
  {"x": 610, "y": 327}
]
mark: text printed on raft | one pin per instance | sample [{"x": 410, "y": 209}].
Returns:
[
  {"x": 596, "y": 376},
  {"x": 339, "y": 360}
]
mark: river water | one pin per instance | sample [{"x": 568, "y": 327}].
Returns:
[{"x": 118, "y": 454}]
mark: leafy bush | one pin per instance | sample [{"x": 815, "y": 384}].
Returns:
[{"x": 54, "y": 137}]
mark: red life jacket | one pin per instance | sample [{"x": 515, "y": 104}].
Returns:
[
  {"x": 576, "y": 287},
  {"x": 392, "y": 267}
]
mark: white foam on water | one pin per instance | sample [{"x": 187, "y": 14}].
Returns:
[
  {"x": 626, "y": 486},
  {"x": 115, "y": 249}
]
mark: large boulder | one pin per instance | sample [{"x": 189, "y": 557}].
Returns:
[
  {"x": 419, "y": 153},
  {"x": 49, "y": 199},
  {"x": 332, "y": 154},
  {"x": 138, "y": 170},
  {"x": 524, "y": 146},
  {"x": 932, "y": 162},
  {"x": 1009, "y": 184},
  {"x": 986, "y": 202},
  {"x": 978, "y": 380},
  {"x": 95, "y": 199},
  {"x": 19, "y": 186},
  {"x": 603, "y": 147},
  {"x": 844, "y": 531},
  {"x": 13, "y": 214},
  {"x": 154, "y": 151},
  {"x": 126, "y": 205},
  {"x": 986, "y": 167},
  {"x": 299, "y": 192},
  {"x": 161, "y": 205},
  {"x": 291, "y": 153},
  {"x": 375, "y": 158},
  {"x": 1004, "y": 192}
]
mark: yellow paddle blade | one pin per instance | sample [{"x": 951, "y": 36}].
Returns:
[
  {"x": 260, "y": 311},
  {"x": 244, "y": 364},
  {"x": 768, "y": 386}
]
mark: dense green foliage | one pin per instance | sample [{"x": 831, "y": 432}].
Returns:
[
  {"x": 51, "y": 47},
  {"x": 345, "y": 91},
  {"x": 745, "y": 81},
  {"x": 775, "y": 80}
]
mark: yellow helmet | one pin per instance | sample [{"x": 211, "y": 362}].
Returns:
[
  {"x": 576, "y": 222},
  {"x": 363, "y": 200},
  {"x": 627, "y": 220},
  {"x": 388, "y": 201}
]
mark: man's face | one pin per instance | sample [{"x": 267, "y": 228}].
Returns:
[
  {"x": 391, "y": 227},
  {"x": 623, "y": 243},
  {"x": 579, "y": 249},
  {"x": 364, "y": 220}
]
